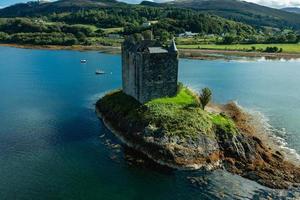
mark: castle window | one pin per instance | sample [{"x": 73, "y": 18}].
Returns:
[{"x": 159, "y": 78}]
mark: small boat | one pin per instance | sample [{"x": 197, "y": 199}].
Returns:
[
  {"x": 83, "y": 61},
  {"x": 100, "y": 72}
]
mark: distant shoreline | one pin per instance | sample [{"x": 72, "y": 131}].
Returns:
[
  {"x": 234, "y": 54},
  {"x": 199, "y": 54},
  {"x": 104, "y": 49}
]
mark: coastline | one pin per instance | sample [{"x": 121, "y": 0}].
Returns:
[
  {"x": 100, "y": 48},
  {"x": 198, "y": 54},
  {"x": 119, "y": 135},
  {"x": 251, "y": 123},
  {"x": 248, "y": 154}
]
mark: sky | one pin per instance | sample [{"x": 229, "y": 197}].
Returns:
[{"x": 270, "y": 3}]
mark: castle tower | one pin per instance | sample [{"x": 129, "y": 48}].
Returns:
[{"x": 148, "y": 70}]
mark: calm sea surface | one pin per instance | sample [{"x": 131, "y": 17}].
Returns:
[{"x": 52, "y": 146}]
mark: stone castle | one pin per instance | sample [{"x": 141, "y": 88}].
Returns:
[{"x": 148, "y": 70}]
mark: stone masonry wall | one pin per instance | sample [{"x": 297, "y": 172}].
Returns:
[
  {"x": 148, "y": 76},
  {"x": 159, "y": 76}
]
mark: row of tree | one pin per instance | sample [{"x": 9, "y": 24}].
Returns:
[
  {"x": 65, "y": 39},
  {"x": 290, "y": 37},
  {"x": 27, "y": 25},
  {"x": 33, "y": 31}
]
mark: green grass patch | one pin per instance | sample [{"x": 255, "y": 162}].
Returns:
[
  {"x": 175, "y": 116},
  {"x": 112, "y": 30},
  {"x": 195, "y": 40},
  {"x": 91, "y": 27},
  {"x": 184, "y": 98},
  {"x": 105, "y": 41},
  {"x": 175, "y": 120},
  {"x": 287, "y": 48},
  {"x": 119, "y": 102},
  {"x": 225, "y": 124}
]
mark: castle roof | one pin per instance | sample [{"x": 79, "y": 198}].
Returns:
[
  {"x": 149, "y": 46},
  {"x": 157, "y": 50}
]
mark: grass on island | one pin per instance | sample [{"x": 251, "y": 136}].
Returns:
[
  {"x": 184, "y": 98},
  {"x": 287, "y": 48},
  {"x": 172, "y": 116},
  {"x": 224, "y": 123}
]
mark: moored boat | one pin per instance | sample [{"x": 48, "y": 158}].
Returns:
[{"x": 100, "y": 72}]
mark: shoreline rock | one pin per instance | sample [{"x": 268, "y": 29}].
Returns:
[
  {"x": 244, "y": 154},
  {"x": 158, "y": 146}
]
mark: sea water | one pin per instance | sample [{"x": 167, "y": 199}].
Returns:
[{"x": 52, "y": 145}]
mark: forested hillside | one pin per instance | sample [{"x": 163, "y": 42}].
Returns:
[
  {"x": 241, "y": 11},
  {"x": 107, "y": 22},
  {"x": 84, "y": 26}
]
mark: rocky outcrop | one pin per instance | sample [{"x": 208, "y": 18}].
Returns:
[
  {"x": 174, "y": 152},
  {"x": 249, "y": 156},
  {"x": 244, "y": 153}
]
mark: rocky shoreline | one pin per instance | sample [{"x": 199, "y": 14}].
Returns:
[
  {"x": 137, "y": 143},
  {"x": 262, "y": 162},
  {"x": 244, "y": 154}
]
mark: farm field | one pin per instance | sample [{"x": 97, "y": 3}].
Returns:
[{"x": 286, "y": 48}]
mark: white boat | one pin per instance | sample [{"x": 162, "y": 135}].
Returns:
[
  {"x": 83, "y": 61},
  {"x": 100, "y": 72}
]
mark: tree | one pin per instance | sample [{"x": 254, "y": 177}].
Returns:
[
  {"x": 272, "y": 49},
  {"x": 164, "y": 37},
  {"x": 3, "y": 36},
  {"x": 229, "y": 39},
  {"x": 205, "y": 97}
]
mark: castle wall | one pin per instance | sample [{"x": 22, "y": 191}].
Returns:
[
  {"x": 159, "y": 76},
  {"x": 128, "y": 73},
  {"x": 146, "y": 76}
]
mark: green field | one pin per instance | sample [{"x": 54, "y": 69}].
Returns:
[
  {"x": 287, "y": 48},
  {"x": 92, "y": 27},
  {"x": 196, "y": 40},
  {"x": 112, "y": 30},
  {"x": 105, "y": 41}
]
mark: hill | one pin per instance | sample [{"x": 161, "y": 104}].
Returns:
[
  {"x": 250, "y": 13},
  {"x": 292, "y": 9},
  {"x": 36, "y": 8}
]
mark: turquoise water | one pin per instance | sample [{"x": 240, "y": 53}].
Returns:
[{"x": 52, "y": 146}]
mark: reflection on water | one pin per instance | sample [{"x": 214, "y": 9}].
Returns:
[
  {"x": 243, "y": 57},
  {"x": 52, "y": 146}
]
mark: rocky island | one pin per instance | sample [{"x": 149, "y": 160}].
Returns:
[{"x": 162, "y": 119}]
